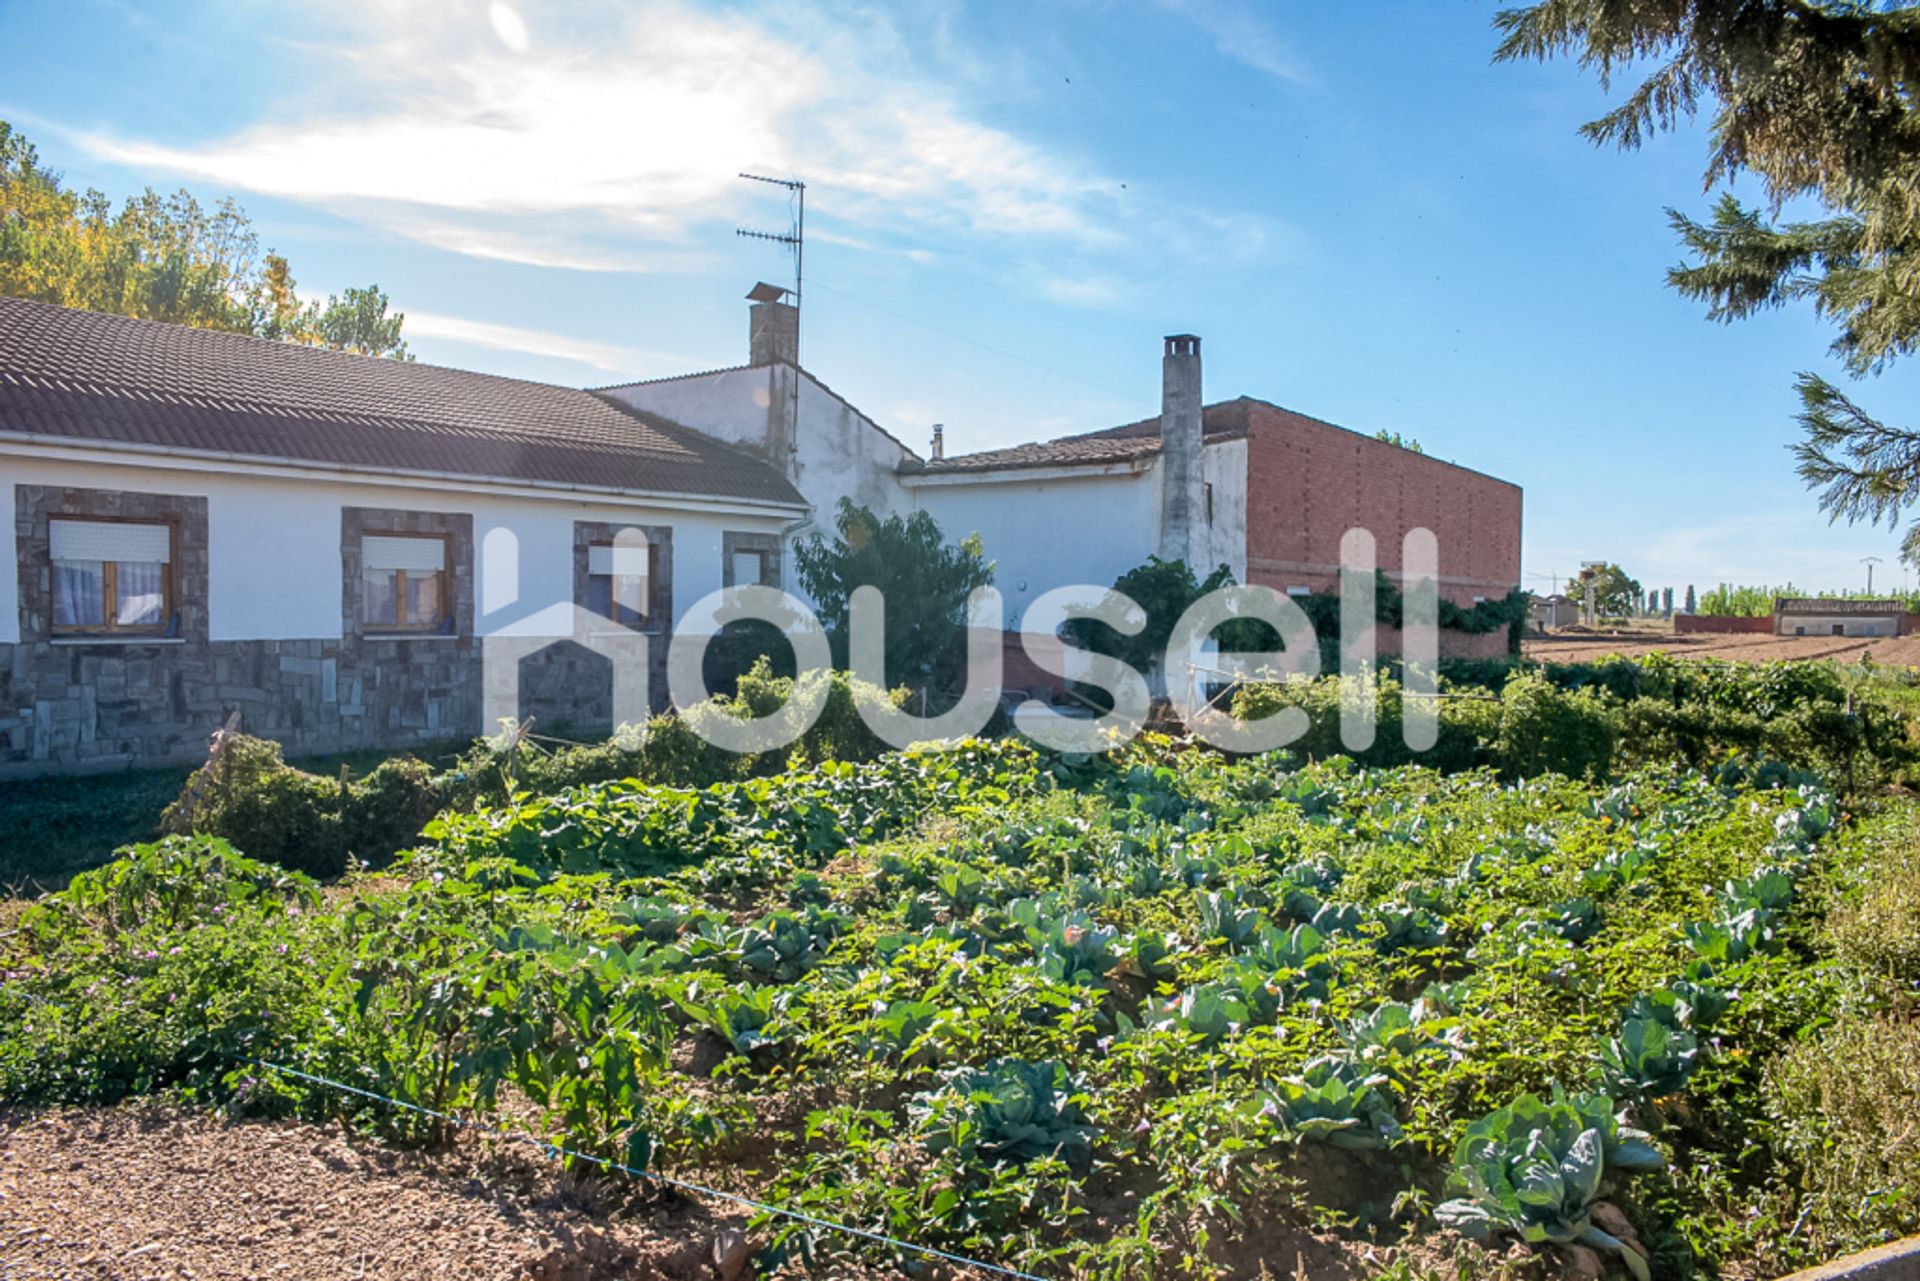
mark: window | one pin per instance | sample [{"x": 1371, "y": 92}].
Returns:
[
  {"x": 111, "y": 576},
  {"x": 752, "y": 569},
  {"x": 1298, "y": 592},
  {"x": 749, "y": 560},
  {"x": 404, "y": 585},
  {"x": 621, "y": 577}
]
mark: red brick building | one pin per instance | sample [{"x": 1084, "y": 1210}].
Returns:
[{"x": 1266, "y": 491}]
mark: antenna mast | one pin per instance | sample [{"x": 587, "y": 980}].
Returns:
[{"x": 796, "y": 239}]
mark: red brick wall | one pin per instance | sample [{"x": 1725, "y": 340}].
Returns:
[
  {"x": 1721, "y": 623},
  {"x": 1309, "y": 482}
]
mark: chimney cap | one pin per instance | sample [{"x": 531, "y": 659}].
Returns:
[
  {"x": 764, "y": 292},
  {"x": 1183, "y": 344}
]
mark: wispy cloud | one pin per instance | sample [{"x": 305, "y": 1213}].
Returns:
[
  {"x": 634, "y": 362},
  {"x": 1239, "y": 29},
  {"x": 607, "y": 137}
]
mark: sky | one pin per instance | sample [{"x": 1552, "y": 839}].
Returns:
[{"x": 1008, "y": 205}]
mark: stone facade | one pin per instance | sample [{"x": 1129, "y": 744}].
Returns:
[{"x": 767, "y": 545}]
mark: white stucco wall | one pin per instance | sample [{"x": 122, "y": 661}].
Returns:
[
  {"x": 844, "y": 454},
  {"x": 728, "y": 404},
  {"x": 274, "y": 569},
  {"x": 834, "y": 451},
  {"x": 1224, "y": 467},
  {"x": 1823, "y": 625},
  {"x": 9, "y": 577},
  {"x": 1048, "y": 533}
]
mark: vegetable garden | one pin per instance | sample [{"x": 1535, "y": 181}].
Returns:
[{"x": 1149, "y": 1013}]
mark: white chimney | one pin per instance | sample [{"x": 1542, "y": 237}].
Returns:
[{"x": 1182, "y": 480}]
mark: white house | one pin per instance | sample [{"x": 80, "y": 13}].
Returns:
[{"x": 327, "y": 544}]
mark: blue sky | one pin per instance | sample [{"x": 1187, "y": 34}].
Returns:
[{"x": 1008, "y": 205}]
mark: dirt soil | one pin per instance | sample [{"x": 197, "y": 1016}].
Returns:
[
  {"x": 159, "y": 1193},
  {"x": 142, "y": 1194},
  {"x": 1892, "y": 650}
]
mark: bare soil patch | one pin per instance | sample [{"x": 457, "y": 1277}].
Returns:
[
  {"x": 141, "y": 1194},
  {"x": 1891, "y": 650}
]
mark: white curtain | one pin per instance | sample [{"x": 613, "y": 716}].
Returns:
[
  {"x": 142, "y": 588},
  {"x": 78, "y": 590}
]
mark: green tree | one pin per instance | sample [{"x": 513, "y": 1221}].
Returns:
[
  {"x": 1815, "y": 98},
  {"x": 165, "y": 258},
  {"x": 924, "y": 579},
  {"x": 1613, "y": 592}
]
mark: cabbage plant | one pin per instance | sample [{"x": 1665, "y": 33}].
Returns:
[
  {"x": 1647, "y": 1059},
  {"x": 1534, "y": 1169},
  {"x": 1008, "y": 1111},
  {"x": 1333, "y": 1101}
]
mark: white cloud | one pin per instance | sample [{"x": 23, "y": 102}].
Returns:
[
  {"x": 1239, "y": 31},
  {"x": 606, "y": 137},
  {"x": 630, "y": 361},
  {"x": 507, "y": 24}
]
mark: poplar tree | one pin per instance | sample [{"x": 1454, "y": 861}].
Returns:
[{"x": 166, "y": 258}]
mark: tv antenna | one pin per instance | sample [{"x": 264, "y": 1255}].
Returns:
[{"x": 794, "y": 239}]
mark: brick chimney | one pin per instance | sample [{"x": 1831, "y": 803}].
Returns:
[
  {"x": 1182, "y": 482},
  {"x": 773, "y": 327}
]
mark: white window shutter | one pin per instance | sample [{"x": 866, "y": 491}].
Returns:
[
  {"x": 414, "y": 555},
  {"x": 625, "y": 561},
  {"x": 748, "y": 568},
  {"x": 99, "y": 540}
]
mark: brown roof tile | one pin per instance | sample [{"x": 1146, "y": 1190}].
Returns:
[
  {"x": 1223, "y": 421},
  {"x": 111, "y": 379}
]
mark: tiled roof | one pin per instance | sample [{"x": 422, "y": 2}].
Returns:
[
  {"x": 110, "y": 379},
  {"x": 1223, "y": 421}
]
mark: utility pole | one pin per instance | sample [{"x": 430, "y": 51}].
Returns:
[{"x": 794, "y": 239}]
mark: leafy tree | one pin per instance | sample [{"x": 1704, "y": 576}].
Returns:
[
  {"x": 1816, "y": 99},
  {"x": 165, "y": 258},
  {"x": 1613, "y": 592},
  {"x": 924, "y": 579}
]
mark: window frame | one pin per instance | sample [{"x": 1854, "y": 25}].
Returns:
[
  {"x": 442, "y": 625},
  {"x": 648, "y": 622},
  {"x": 110, "y": 626}
]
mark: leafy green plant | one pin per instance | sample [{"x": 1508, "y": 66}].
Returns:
[
  {"x": 1009, "y": 1110},
  {"x": 738, "y": 1015},
  {"x": 1647, "y": 1059},
  {"x": 1534, "y": 1169},
  {"x": 1333, "y": 1101}
]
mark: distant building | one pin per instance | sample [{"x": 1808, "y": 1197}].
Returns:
[
  {"x": 1557, "y": 610},
  {"x": 1800, "y": 616}
]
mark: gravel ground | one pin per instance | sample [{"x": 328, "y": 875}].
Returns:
[{"x": 149, "y": 1193}]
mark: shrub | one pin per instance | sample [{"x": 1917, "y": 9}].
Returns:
[
  {"x": 1468, "y": 725},
  {"x": 1843, "y": 1107},
  {"x": 262, "y": 805},
  {"x": 1877, "y": 928},
  {"x": 1543, "y": 730},
  {"x": 252, "y": 798}
]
